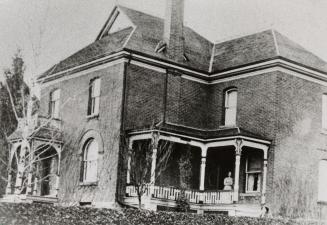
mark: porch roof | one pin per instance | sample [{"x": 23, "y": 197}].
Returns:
[
  {"x": 205, "y": 135},
  {"x": 47, "y": 133}
]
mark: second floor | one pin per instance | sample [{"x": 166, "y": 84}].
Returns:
[{"x": 140, "y": 96}]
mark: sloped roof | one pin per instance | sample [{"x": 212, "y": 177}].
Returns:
[
  {"x": 295, "y": 52},
  {"x": 148, "y": 33},
  {"x": 206, "y": 134},
  {"x": 46, "y": 132},
  {"x": 259, "y": 47},
  {"x": 98, "y": 49},
  {"x": 227, "y": 55}
]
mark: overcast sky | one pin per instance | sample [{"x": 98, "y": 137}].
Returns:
[{"x": 57, "y": 28}]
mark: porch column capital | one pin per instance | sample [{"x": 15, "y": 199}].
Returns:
[
  {"x": 155, "y": 139},
  {"x": 265, "y": 152},
  {"x": 238, "y": 146},
  {"x": 204, "y": 150}
]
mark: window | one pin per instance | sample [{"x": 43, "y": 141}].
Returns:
[
  {"x": 90, "y": 161},
  {"x": 324, "y": 112},
  {"x": 54, "y": 103},
  {"x": 230, "y": 107},
  {"x": 253, "y": 173},
  {"x": 94, "y": 97},
  {"x": 322, "y": 181}
]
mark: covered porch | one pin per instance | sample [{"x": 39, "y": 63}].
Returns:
[
  {"x": 34, "y": 163},
  {"x": 225, "y": 172}
]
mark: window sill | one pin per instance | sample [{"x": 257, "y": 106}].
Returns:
[
  {"x": 94, "y": 183},
  {"x": 257, "y": 193},
  {"x": 323, "y": 131},
  {"x": 51, "y": 118},
  {"x": 227, "y": 126},
  {"x": 93, "y": 116}
]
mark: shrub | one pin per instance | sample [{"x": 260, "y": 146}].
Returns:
[
  {"x": 182, "y": 203},
  {"x": 41, "y": 214}
]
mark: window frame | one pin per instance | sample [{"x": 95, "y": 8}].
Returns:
[
  {"x": 54, "y": 104},
  {"x": 94, "y": 97},
  {"x": 248, "y": 173},
  {"x": 85, "y": 175},
  {"x": 322, "y": 182},
  {"x": 227, "y": 106},
  {"x": 324, "y": 112}
]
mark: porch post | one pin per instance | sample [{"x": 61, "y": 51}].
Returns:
[
  {"x": 58, "y": 172},
  {"x": 128, "y": 176},
  {"x": 8, "y": 188},
  {"x": 238, "y": 150},
  {"x": 21, "y": 166},
  {"x": 264, "y": 176},
  {"x": 203, "y": 166},
  {"x": 155, "y": 142},
  {"x": 56, "y": 185},
  {"x": 36, "y": 180},
  {"x": 29, "y": 183},
  {"x": 35, "y": 186},
  {"x": 153, "y": 166}
]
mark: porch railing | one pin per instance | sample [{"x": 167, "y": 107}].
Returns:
[{"x": 197, "y": 197}]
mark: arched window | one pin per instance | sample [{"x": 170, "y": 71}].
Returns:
[
  {"x": 90, "y": 161},
  {"x": 230, "y": 107},
  {"x": 54, "y": 104}
]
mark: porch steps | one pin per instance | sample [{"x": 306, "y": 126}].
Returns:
[
  {"x": 28, "y": 199},
  {"x": 230, "y": 209},
  {"x": 11, "y": 199},
  {"x": 42, "y": 199}
]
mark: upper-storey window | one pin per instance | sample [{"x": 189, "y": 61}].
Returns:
[
  {"x": 324, "y": 111},
  {"x": 230, "y": 107},
  {"x": 94, "y": 97},
  {"x": 54, "y": 103}
]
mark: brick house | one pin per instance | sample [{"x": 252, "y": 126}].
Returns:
[{"x": 254, "y": 106}]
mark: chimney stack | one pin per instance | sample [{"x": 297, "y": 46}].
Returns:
[{"x": 173, "y": 29}]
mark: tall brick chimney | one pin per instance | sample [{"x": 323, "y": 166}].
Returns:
[{"x": 173, "y": 29}]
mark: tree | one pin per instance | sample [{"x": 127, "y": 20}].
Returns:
[
  {"x": 146, "y": 160},
  {"x": 13, "y": 95}
]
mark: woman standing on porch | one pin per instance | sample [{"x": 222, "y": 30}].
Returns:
[{"x": 228, "y": 182}]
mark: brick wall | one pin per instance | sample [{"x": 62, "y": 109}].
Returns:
[
  {"x": 74, "y": 102},
  {"x": 280, "y": 107},
  {"x": 186, "y": 101},
  {"x": 144, "y": 100},
  {"x": 286, "y": 110},
  {"x": 300, "y": 145},
  {"x": 256, "y": 111}
]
